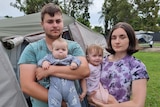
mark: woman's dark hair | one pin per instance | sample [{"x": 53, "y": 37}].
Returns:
[
  {"x": 50, "y": 9},
  {"x": 133, "y": 42}
]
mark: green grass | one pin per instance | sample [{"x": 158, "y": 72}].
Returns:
[
  {"x": 155, "y": 44},
  {"x": 152, "y": 62}
]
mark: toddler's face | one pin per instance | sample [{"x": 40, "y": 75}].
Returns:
[{"x": 95, "y": 58}]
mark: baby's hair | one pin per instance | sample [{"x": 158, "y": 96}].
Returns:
[
  {"x": 59, "y": 40},
  {"x": 94, "y": 48}
]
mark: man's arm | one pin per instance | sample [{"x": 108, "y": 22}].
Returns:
[
  {"x": 29, "y": 85},
  {"x": 65, "y": 71}
]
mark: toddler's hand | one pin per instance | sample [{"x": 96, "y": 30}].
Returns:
[{"x": 81, "y": 96}]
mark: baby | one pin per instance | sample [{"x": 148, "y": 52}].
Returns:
[{"x": 62, "y": 89}]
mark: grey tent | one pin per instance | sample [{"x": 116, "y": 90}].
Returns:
[
  {"x": 10, "y": 93},
  {"x": 16, "y": 33}
]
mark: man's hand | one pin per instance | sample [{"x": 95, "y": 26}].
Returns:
[{"x": 40, "y": 73}]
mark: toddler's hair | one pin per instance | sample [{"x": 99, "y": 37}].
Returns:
[{"x": 94, "y": 48}]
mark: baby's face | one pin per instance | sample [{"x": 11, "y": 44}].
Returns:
[{"x": 60, "y": 51}]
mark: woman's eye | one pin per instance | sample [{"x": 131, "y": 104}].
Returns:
[
  {"x": 122, "y": 36},
  {"x": 113, "y": 37}
]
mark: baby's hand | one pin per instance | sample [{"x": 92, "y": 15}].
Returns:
[
  {"x": 73, "y": 66},
  {"x": 81, "y": 96},
  {"x": 45, "y": 65}
]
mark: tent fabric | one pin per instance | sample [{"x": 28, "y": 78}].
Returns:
[
  {"x": 16, "y": 33},
  {"x": 25, "y": 24},
  {"x": 10, "y": 92},
  {"x": 85, "y": 36}
]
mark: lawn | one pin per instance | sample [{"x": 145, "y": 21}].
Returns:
[
  {"x": 155, "y": 44},
  {"x": 152, "y": 62}
]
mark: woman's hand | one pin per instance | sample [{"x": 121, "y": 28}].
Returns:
[
  {"x": 112, "y": 100},
  {"x": 96, "y": 103},
  {"x": 91, "y": 100}
]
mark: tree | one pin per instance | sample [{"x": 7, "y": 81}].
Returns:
[
  {"x": 141, "y": 14},
  {"x": 114, "y": 11},
  {"x": 98, "y": 29},
  {"x": 79, "y": 9},
  {"x": 31, "y": 6},
  {"x": 148, "y": 13}
]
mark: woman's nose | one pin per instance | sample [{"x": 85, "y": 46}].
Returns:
[{"x": 117, "y": 40}]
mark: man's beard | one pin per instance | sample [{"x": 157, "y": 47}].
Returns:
[{"x": 52, "y": 37}]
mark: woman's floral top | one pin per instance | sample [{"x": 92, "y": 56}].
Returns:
[{"x": 117, "y": 76}]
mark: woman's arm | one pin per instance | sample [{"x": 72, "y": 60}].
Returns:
[
  {"x": 139, "y": 88},
  {"x": 65, "y": 72},
  {"x": 29, "y": 85}
]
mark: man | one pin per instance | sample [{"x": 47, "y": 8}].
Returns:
[{"x": 52, "y": 23}]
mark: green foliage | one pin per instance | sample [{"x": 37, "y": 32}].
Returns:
[
  {"x": 85, "y": 22},
  {"x": 31, "y": 6},
  {"x": 151, "y": 60},
  {"x": 148, "y": 12},
  {"x": 156, "y": 44},
  {"x": 79, "y": 9},
  {"x": 158, "y": 20},
  {"x": 141, "y": 14},
  {"x": 98, "y": 29},
  {"x": 115, "y": 11}
]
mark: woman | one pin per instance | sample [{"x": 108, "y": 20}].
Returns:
[{"x": 124, "y": 76}]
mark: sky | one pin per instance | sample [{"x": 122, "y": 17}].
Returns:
[{"x": 7, "y": 10}]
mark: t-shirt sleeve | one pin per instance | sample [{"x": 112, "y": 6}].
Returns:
[
  {"x": 75, "y": 49},
  {"x": 76, "y": 60},
  {"x": 139, "y": 70},
  {"x": 28, "y": 56}
]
